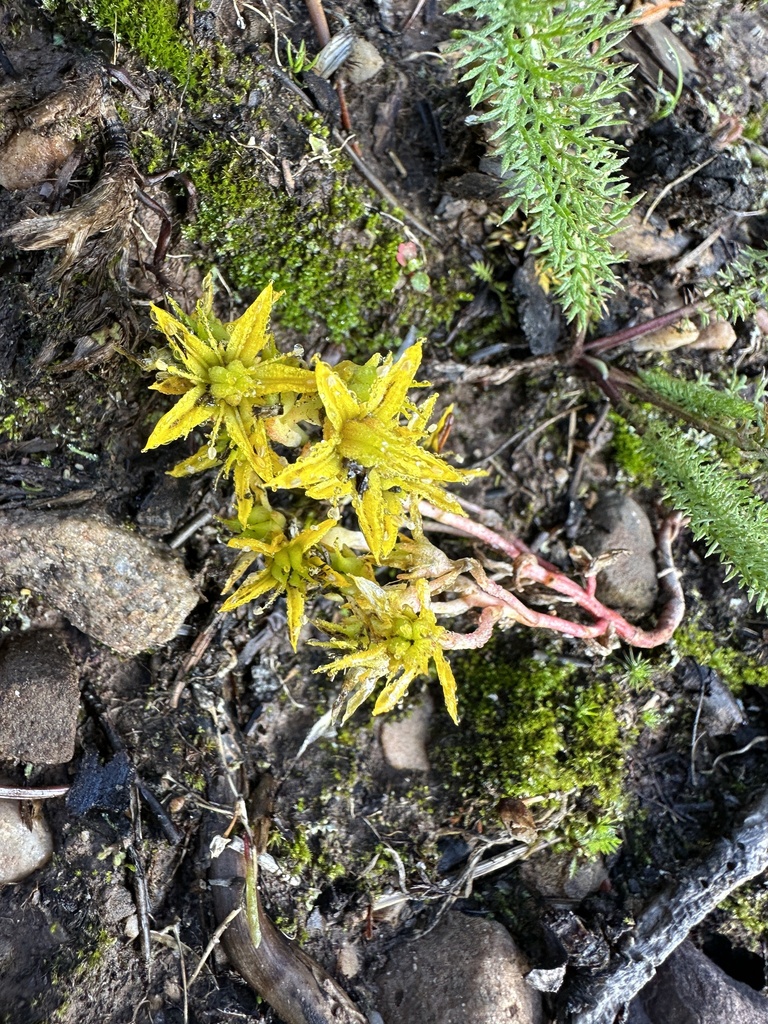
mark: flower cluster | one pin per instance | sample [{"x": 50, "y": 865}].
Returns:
[{"x": 346, "y": 436}]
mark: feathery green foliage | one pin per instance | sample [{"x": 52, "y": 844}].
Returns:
[
  {"x": 544, "y": 76},
  {"x": 741, "y": 287},
  {"x": 720, "y": 501},
  {"x": 726, "y": 408}
]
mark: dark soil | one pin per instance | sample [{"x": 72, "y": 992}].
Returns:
[{"x": 75, "y": 412}]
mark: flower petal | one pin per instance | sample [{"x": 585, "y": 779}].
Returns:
[
  {"x": 178, "y": 421},
  {"x": 389, "y": 392},
  {"x": 248, "y": 334},
  {"x": 242, "y": 565},
  {"x": 260, "y": 584},
  {"x": 295, "y": 610},
  {"x": 197, "y": 463},
  {"x": 320, "y": 473},
  {"x": 240, "y": 437},
  {"x": 370, "y": 514},
  {"x": 313, "y": 534},
  {"x": 276, "y": 376},
  {"x": 380, "y": 514},
  {"x": 448, "y": 683},
  {"x": 394, "y": 691},
  {"x": 194, "y": 353},
  {"x": 339, "y": 402},
  {"x": 175, "y": 385}
]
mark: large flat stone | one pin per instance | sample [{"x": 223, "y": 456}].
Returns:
[
  {"x": 39, "y": 698},
  {"x": 690, "y": 989},
  {"x": 119, "y": 588}
]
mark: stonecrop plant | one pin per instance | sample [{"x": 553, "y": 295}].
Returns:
[{"x": 334, "y": 470}]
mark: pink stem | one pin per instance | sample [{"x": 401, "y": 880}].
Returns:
[
  {"x": 529, "y": 568},
  {"x": 479, "y": 637}
]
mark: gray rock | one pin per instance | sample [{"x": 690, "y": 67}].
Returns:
[
  {"x": 547, "y": 979},
  {"x": 114, "y": 585},
  {"x": 648, "y": 243},
  {"x": 404, "y": 742},
  {"x": 365, "y": 62},
  {"x": 537, "y": 311},
  {"x": 39, "y": 697},
  {"x": 23, "y": 848},
  {"x": 690, "y": 989},
  {"x": 721, "y": 714},
  {"x": 467, "y": 969},
  {"x": 629, "y": 584},
  {"x": 554, "y": 877}
]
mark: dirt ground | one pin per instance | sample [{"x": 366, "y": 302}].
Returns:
[{"x": 362, "y": 853}]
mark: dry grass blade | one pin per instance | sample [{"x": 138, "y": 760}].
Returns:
[{"x": 106, "y": 211}]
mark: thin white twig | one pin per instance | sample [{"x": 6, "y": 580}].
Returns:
[{"x": 212, "y": 943}]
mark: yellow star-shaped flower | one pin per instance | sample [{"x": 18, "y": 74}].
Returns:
[
  {"x": 393, "y": 634},
  {"x": 372, "y": 451},
  {"x": 224, "y": 373},
  {"x": 290, "y": 568}
]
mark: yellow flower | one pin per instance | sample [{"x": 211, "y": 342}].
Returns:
[
  {"x": 372, "y": 451},
  {"x": 397, "y": 635},
  {"x": 290, "y": 569},
  {"x": 223, "y": 373}
]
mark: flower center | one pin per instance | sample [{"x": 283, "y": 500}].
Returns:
[{"x": 230, "y": 383}]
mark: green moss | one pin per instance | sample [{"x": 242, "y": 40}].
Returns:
[
  {"x": 332, "y": 257},
  {"x": 538, "y": 729},
  {"x": 734, "y": 667},
  {"x": 749, "y": 906},
  {"x": 629, "y": 454},
  {"x": 149, "y": 27},
  {"x": 24, "y": 414},
  {"x": 294, "y": 853},
  {"x": 754, "y": 126}
]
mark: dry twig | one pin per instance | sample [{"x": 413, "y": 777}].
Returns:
[{"x": 667, "y": 921}]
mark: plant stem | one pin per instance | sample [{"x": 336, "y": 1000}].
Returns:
[
  {"x": 610, "y": 341},
  {"x": 528, "y": 568}
]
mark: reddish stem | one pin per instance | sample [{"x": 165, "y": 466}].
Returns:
[
  {"x": 319, "y": 21},
  {"x": 610, "y": 341},
  {"x": 479, "y": 637},
  {"x": 528, "y": 568}
]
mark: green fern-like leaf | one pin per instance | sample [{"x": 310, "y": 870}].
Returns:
[
  {"x": 724, "y": 408},
  {"x": 741, "y": 287},
  {"x": 543, "y": 74},
  {"x": 722, "y": 506}
]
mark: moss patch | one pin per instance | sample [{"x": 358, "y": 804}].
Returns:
[
  {"x": 734, "y": 667},
  {"x": 629, "y": 454},
  {"x": 539, "y": 729},
  {"x": 749, "y": 906},
  {"x": 333, "y": 258},
  {"x": 151, "y": 28}
]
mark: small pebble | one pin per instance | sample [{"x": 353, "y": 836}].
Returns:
[
  {"x": 349, "y": 963},
  {"x": 404, "y": 741},
  {"x": 667, "y": 338},
  {"x": 645, "y": 243},
  {"x": 365, "y": 62},
  {"x": 717, "y": 336},
  {"x": 630, "y": 583},
  {"x": 22, "y": 849}
]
